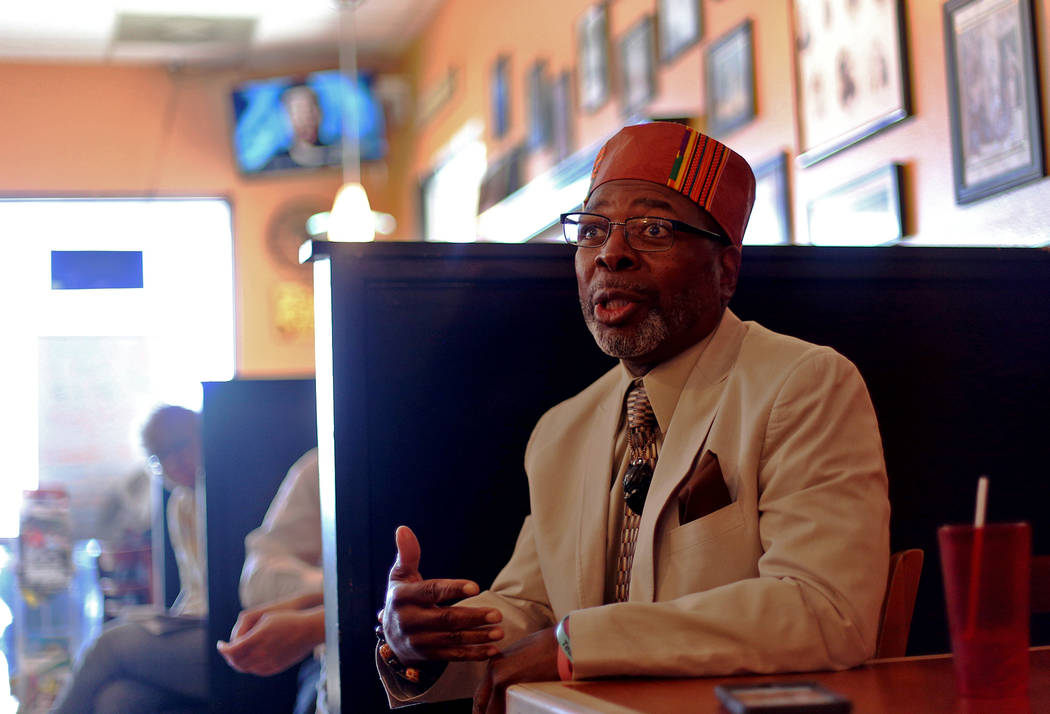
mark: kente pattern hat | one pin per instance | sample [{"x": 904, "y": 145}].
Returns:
[{"x": 706, "y": 171}]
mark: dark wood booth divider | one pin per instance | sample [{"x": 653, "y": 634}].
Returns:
[
  {"x": 954, "y": 344},
  {"x": 254, "y": 430},
  {"x": 442, "y": 358},
  {"x": 435, "y": 360}
]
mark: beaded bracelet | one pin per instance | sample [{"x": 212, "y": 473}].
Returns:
[{"x": 416, "y": 675}]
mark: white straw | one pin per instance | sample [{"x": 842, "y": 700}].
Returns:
[{"x": 982, "y": 502}]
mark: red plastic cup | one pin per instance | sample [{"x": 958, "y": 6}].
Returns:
[{"x": 987, "y": 583}]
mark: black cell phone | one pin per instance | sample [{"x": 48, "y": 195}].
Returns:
[{"x": 781, "y": 698}]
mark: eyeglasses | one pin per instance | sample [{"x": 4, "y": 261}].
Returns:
[{"x": 647, "y": 234}]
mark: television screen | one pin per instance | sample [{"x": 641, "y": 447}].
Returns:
[{"x": 295, "y": 123}]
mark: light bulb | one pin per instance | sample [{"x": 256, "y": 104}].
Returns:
[{"x": 351, "y": 220}]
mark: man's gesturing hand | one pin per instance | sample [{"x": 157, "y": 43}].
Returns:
[{"x": 419, "y": 628}]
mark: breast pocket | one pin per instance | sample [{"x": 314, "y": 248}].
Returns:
[
  {"x": 710, "y": 527},
  {"x": 705, "y": 553}
]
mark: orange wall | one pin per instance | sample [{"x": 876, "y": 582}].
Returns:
[
  {"x": 470, "y": 34},
  {"x": 101, "y": 131}
]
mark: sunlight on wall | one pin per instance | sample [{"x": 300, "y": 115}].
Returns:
[{"x": 451, "y": 194}]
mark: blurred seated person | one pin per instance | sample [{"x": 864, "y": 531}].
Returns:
[
  {"x": 123, "y": 526},
  {"x": 126, "y": 513},
  {"x": 156, "y": 663},
  {"x": 281, "y": 589},
  {"x": 305, "y": 149}
]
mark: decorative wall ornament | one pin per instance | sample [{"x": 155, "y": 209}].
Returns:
[
  {"x": 637, "y": 57},
  {"x": 851, "y": 72},
  {"x": 865, "y": 211},
  {"x": 730, "y": 81},
  {"x": 592, "y": 47},
  {"x": 679, "y": 26},
  {"x": 541, "y": 122},
  {"x": 436, "y": 96},
  {"x": 500, "y": 96},
  {"x": 770, "y": 222},
  {"x": 993, "y": 96}
]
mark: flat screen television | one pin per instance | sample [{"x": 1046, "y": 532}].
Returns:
[{"x": 298, "y": 123}]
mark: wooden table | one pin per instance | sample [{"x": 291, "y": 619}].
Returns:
[{"x": 923, "y": 685}]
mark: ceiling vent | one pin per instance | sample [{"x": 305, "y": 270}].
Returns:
[{"x": 183, "y": 30}]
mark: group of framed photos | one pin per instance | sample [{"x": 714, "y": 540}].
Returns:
[
  {"x": 676, "y": 26},
  {"x": 851, "y": 82},
  {"x": 662, "y": 36},
  {"x": 851, "y": 70}
]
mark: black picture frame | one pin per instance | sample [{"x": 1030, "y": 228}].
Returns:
[
  {"x": 993, "y": 97},
  {"x": 729, "y": 87},
  {"x": 770, "y": 222},
  {"x": 592, "y": 61},
  {"x": 539, "y": 93},
  {"x": 502, "y": 178},
  {"x": 838, "y": 42},
  {"x": 500, "y": 96},
  {"x": 637, "y": 65},
  {"x": 865, "y": 211},
  {"x": 679, "y": 26},
  {"x": 563, "y": 139}
]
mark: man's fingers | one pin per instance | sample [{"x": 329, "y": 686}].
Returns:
[
  {"x": 236, "y": 654},
  {"x": 414, "y": 618},
  {"x": 406, "y": 565},
  {"x": 476, "y": 653},
  {"x": 245, "y": 621},
  {"x": 430, "y": 641},
  {"x": 427, "y": 593}
]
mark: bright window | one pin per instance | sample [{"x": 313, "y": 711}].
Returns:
[{"x": 83, "y": 368}]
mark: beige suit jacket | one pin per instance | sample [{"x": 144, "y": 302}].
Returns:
[{"x": 789, "y": 577}]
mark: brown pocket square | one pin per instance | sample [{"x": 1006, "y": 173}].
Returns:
[{"x": 704, "y": 490}]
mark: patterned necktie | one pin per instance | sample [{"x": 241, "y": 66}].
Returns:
[{"x": 641, "y": 447}]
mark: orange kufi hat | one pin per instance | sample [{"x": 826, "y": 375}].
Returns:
[{"x": 706, "y": 171}]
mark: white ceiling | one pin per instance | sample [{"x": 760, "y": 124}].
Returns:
[{"x": 262, "y": 32}]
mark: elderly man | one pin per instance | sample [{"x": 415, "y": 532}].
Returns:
[
  {"x": 716, "y": 503},
  {"x": 156, "y": 663}
]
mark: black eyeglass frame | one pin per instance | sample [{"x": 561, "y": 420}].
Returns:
[{"x": 675, "y": 224}]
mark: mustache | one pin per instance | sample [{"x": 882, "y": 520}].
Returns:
[{"x": 616, "y": 285}]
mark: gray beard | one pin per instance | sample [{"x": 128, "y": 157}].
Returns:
[
  {"x": 646, "y": 337},
  {"x": 658, "y": 326}
]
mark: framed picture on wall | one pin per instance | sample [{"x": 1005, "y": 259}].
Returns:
[
  {"x": 679, "y": 26},
  {"x": 851, "y": 72},
  {"x": 865, "y": 211},
  {"x": 770, "y": 222},
  {"x": 993, "y": 96},
  {"x": 637, "y": 67},
  {"x": 539, "y": 89},
  {"x": 500, "y": 96},
  {"x": 564, "y": 137},
  {"x": 730, "y": 81},
  {"x": 592, "y": 46}
]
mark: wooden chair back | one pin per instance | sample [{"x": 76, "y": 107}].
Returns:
[
  {"x": 1040, "y": 602},
  {"x": 899, "y": 602}
]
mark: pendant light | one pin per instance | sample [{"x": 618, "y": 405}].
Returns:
[{"x": 351, "y": 219}]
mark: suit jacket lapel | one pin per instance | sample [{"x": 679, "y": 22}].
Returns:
[
  {"x": 685, "y": 435},
  {"x": 594, "y": 496}
]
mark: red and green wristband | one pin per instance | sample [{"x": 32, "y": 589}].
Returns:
[{"x": 561, "y": 634}]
